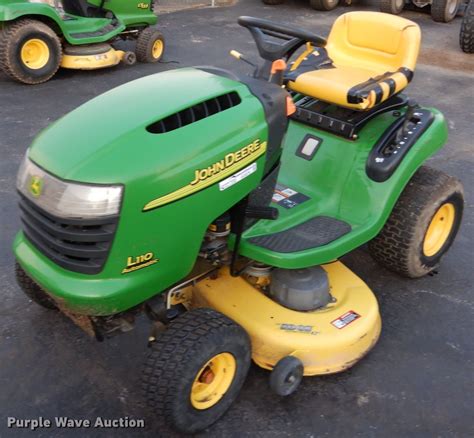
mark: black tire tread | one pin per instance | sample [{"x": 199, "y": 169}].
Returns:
[
  {"x": 438, "y": 11},
  {"x": 32, "y": 290},
  {"x": 388, "y": 6},
  {"x": 466, "y": 36},
  {"x": 8, "y": 36},
  {"x": 396, "y": 246}
]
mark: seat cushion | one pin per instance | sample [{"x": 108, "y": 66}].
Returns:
[
  {"x": 347, "y": 86},
  {"x": 369, "y": 57}
]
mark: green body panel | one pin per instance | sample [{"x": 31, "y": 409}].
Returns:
[
  {"x": 103, "y": 142},
  {"x": 127, "y": 13},
  {"x": 337, "y": 183}
]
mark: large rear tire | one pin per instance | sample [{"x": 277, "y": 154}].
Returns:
[
  {"x": 324, "y": 5},
  {"x": 422, "y": 225},
  {"x": 195, "y": 369},
  {"x": 444, "y": 11},
  {"x": 30, "y": 51},
  {"x": 466, "y": 36},
  {"x": 392, "y": 6}
]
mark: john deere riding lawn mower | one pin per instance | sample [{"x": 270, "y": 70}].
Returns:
[
  {"x": 221, "y": 205},
  {"x": 39, "y": 36}
]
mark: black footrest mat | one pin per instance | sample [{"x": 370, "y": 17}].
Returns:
[{"x": 316, "y": 232}]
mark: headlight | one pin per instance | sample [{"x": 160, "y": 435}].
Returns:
[{"x": 64, "y": 198}]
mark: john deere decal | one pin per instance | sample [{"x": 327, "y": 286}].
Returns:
[
  {"x": 214, "y": 173},
  {"x": 36, "y": 186}
]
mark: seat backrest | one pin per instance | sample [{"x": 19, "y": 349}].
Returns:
[{"x": 374, "y": 40}]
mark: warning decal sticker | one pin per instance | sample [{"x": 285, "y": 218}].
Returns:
[
  {"x": 288, "y": 198},
  {"x": 345, "y": 320}
]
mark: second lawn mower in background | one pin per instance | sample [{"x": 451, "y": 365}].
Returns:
[{"x": 37, "y": 37}]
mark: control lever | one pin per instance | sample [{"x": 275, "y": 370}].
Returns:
[
  {"x": 270, "y": 213},
  {"x": 238, "y": 55},
  {"x": 410, "y": 112}
]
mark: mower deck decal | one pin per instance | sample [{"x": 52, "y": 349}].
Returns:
[
  {"x": 216, "y": 172},
  {"x": 345, "y": 320}
]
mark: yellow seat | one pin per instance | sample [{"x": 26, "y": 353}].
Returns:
[{"x": 369, "y": 57}]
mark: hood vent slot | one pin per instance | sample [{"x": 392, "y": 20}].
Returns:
[{"x": 195, "y": 113}]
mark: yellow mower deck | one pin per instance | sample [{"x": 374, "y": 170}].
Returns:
[
  {"x": 108, "y": 58},
  {"x": 327, "y": 340}
]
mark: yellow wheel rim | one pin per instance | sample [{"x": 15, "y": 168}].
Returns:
[
  {"x": 213, "y": 380},
  {"x": 157, "y": 49},
  {"x": 35, "y": 54},
  {"x": 439, "y": 229}
]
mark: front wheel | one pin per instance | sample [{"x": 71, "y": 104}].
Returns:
[
  {"x": 150, "y": 45},
  {"x": 444, "y": 11},
  {"x": 32, "y": 290},
  {"x": 422, "y": 225},
  {"x": 324, "y": 5},
  {"x": 392, "y": 6},
  {"x": 30, "y": 51},
  {"x": 195, "y": 369}
]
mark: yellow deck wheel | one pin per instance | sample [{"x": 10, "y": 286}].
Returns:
[
  {"x": 35, "y": 53},
  {"x": 213, "y": 380},
  {"x": 439, "y": 229},
  {"x": 157, "y": 49}
]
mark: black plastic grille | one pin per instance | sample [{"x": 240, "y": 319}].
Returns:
[
  {"x": 194, "y": 113},
  {"x": 79, "y": 245}
]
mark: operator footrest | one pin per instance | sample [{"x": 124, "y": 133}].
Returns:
[{"x": 316, "y": 232}]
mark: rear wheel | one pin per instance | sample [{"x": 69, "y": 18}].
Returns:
[
  {"x": 195, "y": 369},
  {"x": 150, "y": 45},
  {"x": 324, "y": 5},
  {"x": 422, "y": 225},
  {"x": 30, "y": 51},
  {"x": 32, "y": 290},
  {"x": 444, "y": 11},
  {"x": 392, "y": 6},
  {"x": 466, "y": 37}
]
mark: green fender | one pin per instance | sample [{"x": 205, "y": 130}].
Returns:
[{"x": 11, "y": 10}]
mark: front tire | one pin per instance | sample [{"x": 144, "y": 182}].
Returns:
[
  {"x": 324, "y": 5},
  {"x": 150, "y": 45},
  {"x": 444, "y": 11},
  {"x": 32, "y": 290},
  {"x": 195, "y": 369},
  {"x": 30, "y": 51},
  {"x": 422, "y": 225},
  {"x": 392, "y": 6}
]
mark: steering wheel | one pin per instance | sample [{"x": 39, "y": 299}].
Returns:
[{"x": 271, "y": 50}]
